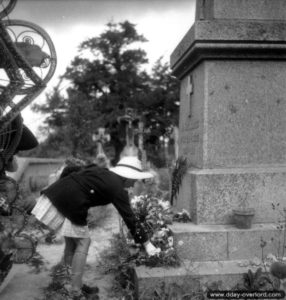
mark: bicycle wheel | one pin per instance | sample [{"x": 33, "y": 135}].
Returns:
[
  {"x": 6, "y": 6},
  {"x": 25, "y": 248},
  {"x": 9, "y": 189},
  {"x": 16, "y": 221}
]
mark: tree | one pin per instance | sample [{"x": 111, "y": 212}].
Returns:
[
  {"x": 105, "y": 78},
  {"x": 159, "y": 108}
]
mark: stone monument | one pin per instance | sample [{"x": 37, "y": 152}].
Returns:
[
  {"x": 232, "y": 68},
  {"x": 233, "y": 105}
]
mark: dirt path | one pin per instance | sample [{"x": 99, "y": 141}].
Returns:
[{"x": 27, "y": 285}]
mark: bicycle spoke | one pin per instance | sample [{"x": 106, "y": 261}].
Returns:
[
  {"x": 25, "y": 248},
  {"x": 16, "y": 222}
]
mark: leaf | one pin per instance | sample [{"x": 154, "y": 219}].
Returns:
[
  {"x": 258, "y": 274},
  {"x": 178, "y": 173}
]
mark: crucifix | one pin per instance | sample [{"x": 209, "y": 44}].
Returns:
[
  {"x": 141, "y": 131},
  {"x": 100, "y": 138},
  {"x": 128, "y": 120}
]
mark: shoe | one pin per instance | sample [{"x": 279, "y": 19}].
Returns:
[
  {"x": 77, "y": 296},
  {"x": 73, "y": 294},
  {"x": 93, "y": 297},
  {"x": 63, "y": 272},
  {"x": 89, "y": 290}
]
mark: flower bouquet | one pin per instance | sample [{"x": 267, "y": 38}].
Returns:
[{"x": 154, "y": 214}]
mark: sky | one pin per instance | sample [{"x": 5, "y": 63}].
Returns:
[{"x": 68, "y": 22}]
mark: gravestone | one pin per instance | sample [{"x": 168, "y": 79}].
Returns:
[{"x": 128, "y": 120}]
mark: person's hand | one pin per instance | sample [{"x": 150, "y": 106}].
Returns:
[{"x": 151, "y": 249}]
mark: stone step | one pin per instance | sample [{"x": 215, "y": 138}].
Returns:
[
  {"x": 224, "y": 242},
  {"x": 190, "y": 276}
]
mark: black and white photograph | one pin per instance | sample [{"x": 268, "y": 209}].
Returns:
[{"x": 142, "y": 149}]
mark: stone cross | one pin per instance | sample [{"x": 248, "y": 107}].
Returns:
[
  {"x": 141, "y": 132},
  {"x": 128, "y": 119},
  {"x": 100, "y": 138}
]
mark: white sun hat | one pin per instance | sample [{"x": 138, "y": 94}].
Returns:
[{"x": 130, "y": 167}]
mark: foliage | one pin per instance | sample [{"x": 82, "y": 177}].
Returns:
[
  {"x": 255, "y": 281},
  {"x": 55, "y": 289},
  {"x": 152, "y": 212},
  {"x": 281, "y": 226},
  {"x": 278, "y": 269},
  {"x": 164, "y": 179},
  {"x": 178, "y": 173},
  {"x": 105, "y": 78},
  {"x": 56, "y": 145},
  {"x": 183, "y": 216},
  {"x": 276, "y": 263},
  {"x": 175, "y": 291},
  {"x": 154, "y": 215},
  {"x": 37, "y": 263},
  {"x": 115, "y": 260},
  {"x": 58, "y": 287}
]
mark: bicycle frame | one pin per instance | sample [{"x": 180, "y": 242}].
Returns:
[
  {"x": 23, "y": 60},
  {"x": 26, "y": 51}
]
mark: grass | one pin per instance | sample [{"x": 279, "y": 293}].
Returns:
[{"x": 114, "y": 260}]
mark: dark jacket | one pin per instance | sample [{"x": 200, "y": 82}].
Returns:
[{"x": 75, "y": 193}]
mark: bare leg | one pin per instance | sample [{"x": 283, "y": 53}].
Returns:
[
  {"x": 79, "y": 261},
  {"x": 70, "y": 246}
]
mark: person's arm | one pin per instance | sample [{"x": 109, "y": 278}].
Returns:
[{"x": 122, "y": 204}]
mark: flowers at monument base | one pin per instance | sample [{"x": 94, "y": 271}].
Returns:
[
  {"x": 154, "y": 214},
  {"x": 182, "y": 216}
]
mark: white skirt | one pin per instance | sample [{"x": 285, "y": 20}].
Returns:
[
  {"x": 71, "y": 230},
  {"x": 46, "y": 213}
]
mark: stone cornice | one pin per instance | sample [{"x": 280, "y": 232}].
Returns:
[{"x": 229, "y": 39}]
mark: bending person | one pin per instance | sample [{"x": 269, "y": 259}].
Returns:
[{"x": 65, "y": 204}]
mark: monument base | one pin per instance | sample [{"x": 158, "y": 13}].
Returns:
[
  {"x": 209, "y": 255},
  {"x": 225, "y": 242},
  {"x": 210, "y": 195},
  {"x": 191, "y": 277}
]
